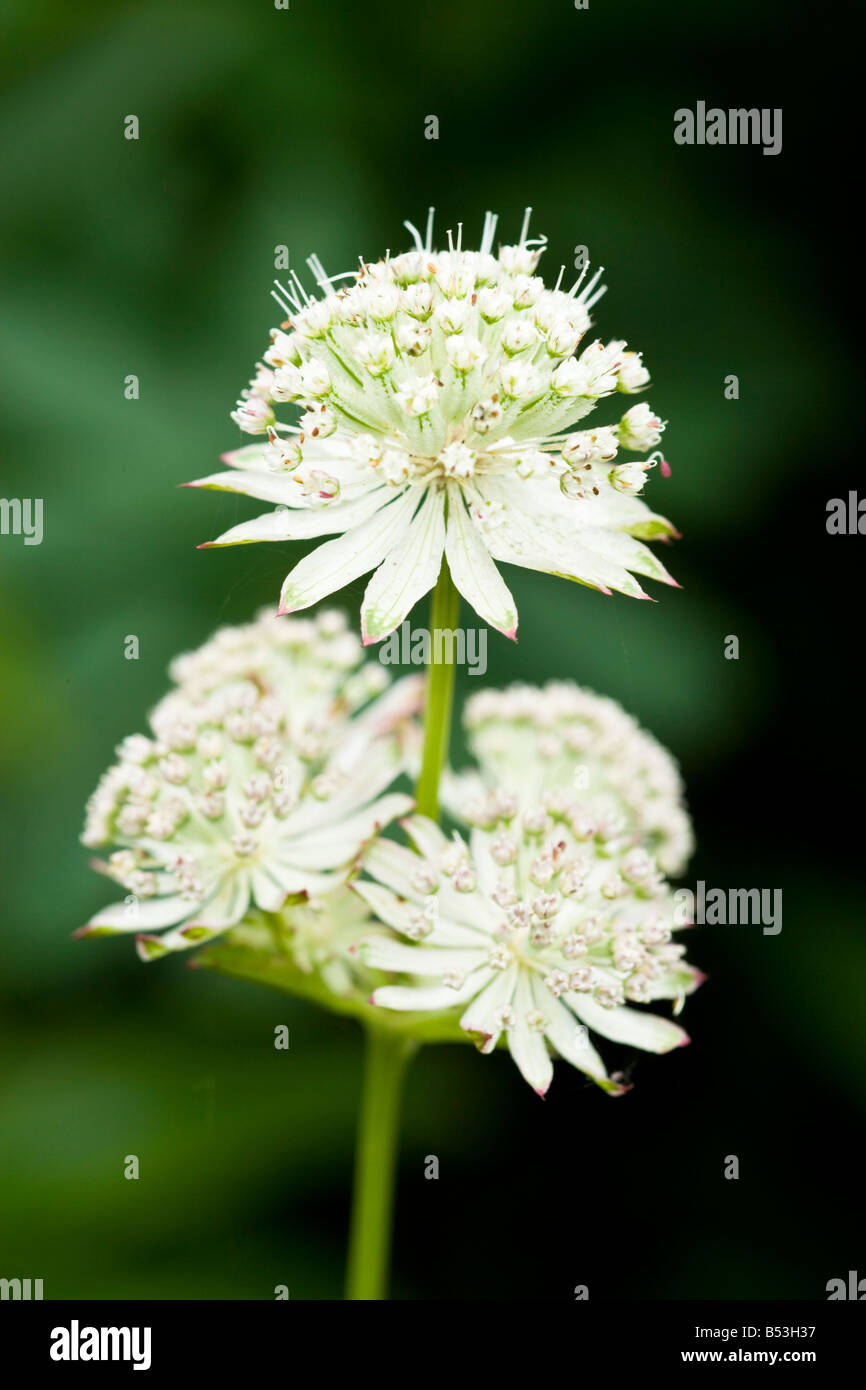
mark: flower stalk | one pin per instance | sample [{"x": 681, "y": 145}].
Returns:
[
  {"x": 386, "y": 1055},
  {"x": 385, "y": 1059},
  {"x": 444, "y": 613}
]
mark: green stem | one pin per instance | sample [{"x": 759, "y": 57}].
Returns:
[
  {"x": 385, "y": 1061},
  {"x": 386, "y": 1053},
  {"x": 440, "y": 693}
]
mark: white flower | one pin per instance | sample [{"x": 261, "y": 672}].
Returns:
[
  {"x": 633, "y": 375},
  {"x": 252, "y": 414},
  {"x": 629, "y": 477},
  {"x": 537, "y": 931},
  {"x": 284, "y": 455},
  {"x": 265, "y": 772},
  {"x": 567, "y": 747},
  {"x": 464, "y": 351},
  {"x": 376, "y": 352},
  {"x": 417, "y": 396},
  {"x": 426, "y": 352},
  {"x": 640, "y": 428},
  {"x": 590, "y": 446},
  {"x": 457, "y": 461}
]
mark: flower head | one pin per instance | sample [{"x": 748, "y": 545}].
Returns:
[
  {"x": 436, "y": 394},
  {"x": 537, "y": 927},
  {"x": 566, "y": 747},
  {"x": 261, "y": 779}
]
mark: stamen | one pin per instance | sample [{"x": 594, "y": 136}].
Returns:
[
  {"x": 593, "y": 282},
  {"x": 416, "y": 235},
  {"x": 286, "y": 299},
  {"x": 488, "y": 233},
  {"x": 301, "y": 291}
]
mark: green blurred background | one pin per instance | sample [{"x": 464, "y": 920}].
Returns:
[{"x": 305, "y": 127}]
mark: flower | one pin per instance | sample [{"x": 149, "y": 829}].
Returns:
[
  {"x": 436, "y": 394},
  {"x": 561, "y": 745},
  {"x": 265, "y": 772},
  {"x": 537, "y": 927},
  {"x": 639, "y": 428}
]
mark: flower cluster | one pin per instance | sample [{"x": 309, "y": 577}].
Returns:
[
  {"x": 583, "y": 751},
  {"x": 537, "y": 927},
  {"x": 255, "y": 804},
  {"x": 265, "y": 771},
  {"x": 437, "y": 398}
]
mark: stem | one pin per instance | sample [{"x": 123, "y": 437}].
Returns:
[
  {"x": 387, "y": 1053},
  {"x": 440, "y": 692},
  {"x": 385, "y": 1061}
]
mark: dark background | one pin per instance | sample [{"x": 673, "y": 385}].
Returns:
[{"x": 306, "y": 127}]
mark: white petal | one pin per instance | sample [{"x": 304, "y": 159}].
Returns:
[
  {"x": 527, "y": 1045},
  {"x": 427, "y": 837},
  {"x": 337, "y": 563},
  {"x": 183, "y": 938},
  {"x": 572, "y": 1043},
  {"x": 268, "y": 892},
  {"x": 408, "y": 572},
  {"x": 628, "y": 552},
  {"x": 398, "y": 913},
  {"x": 299, "y": 524},
  {"x": 342, "y": 841},
  {"x": 383, "y": 763},
  {"x": 527, "y": 542},
  {"x": 394, "y": 866},
  {"x": 624, "y": 1025},
  {"x": 537, "y": 540},
  {"x": 479, "y": 1017},
  {"x": 471, "y": 909},
  {"x": 228, "y": 904},
  {"x": 256, "y": 458},
  {"x": 473, "y": 570},
  {"x": 381, "y": 953},
  {"x": 267, "y": 487},
  {"x": 433, "y": 996},
  {"x": 145, "y": 914},
  {"x": 297, "y": 880}
]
